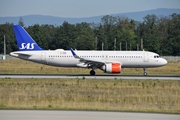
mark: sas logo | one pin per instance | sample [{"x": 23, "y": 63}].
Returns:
[{"x": 27, "y": 46}]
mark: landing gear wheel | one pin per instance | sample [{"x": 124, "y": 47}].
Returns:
[
  {"x": 145, "y": 73},
  {"x": 92, "y": 72}
]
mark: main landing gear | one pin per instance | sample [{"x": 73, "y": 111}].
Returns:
[
  {"x": 145, "y": 73},
  {"x": 92, "y": 72}
]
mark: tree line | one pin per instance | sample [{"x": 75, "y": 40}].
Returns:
[{"x": 160, "y": 34}]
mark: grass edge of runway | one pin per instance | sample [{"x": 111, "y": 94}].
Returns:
[{"x": 87, "y": 94}]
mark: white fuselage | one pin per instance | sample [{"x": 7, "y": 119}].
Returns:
[{"x": 64, "y": 58}]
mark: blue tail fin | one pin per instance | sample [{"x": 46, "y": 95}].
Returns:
[{"x": 24, "y": 40}]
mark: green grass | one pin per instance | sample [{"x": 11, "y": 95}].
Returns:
[
  {"x": 26, "y": 67},
  {"x": 82, "y": 94}
]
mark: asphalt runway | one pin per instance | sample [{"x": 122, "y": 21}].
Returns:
[
  {"x": 87, "y": 76},
  {"x": 81, "y": 115}
]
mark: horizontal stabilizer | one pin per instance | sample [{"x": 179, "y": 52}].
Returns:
[{"x": 20, "y": 55}]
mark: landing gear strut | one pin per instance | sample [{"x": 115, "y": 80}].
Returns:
[
  {"x": 92, "y": 72},
  {"x": 145, "y": 73}
]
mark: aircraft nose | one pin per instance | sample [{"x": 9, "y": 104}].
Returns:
[{"x": 164, "y": 62}]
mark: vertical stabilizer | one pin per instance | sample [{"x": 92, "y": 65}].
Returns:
[{"x": 24, "y": 40}]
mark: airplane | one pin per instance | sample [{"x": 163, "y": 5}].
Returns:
[{"x": 107, "y": 61}]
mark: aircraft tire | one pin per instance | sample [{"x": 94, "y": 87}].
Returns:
[
  {"x": 92, "y": 72},
  {"x": 145, "y": 73}
]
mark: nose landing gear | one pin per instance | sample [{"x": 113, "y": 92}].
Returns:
[{"x": 145, "y": 73}]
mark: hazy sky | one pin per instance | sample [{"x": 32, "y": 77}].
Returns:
[{"x": 80, "y": 8}]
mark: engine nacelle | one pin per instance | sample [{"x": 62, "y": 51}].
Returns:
[{"x": 112, "y": 68}]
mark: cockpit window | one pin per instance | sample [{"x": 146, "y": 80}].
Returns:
[{"x": 156, "y": 56}]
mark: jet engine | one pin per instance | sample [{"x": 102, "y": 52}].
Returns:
[{"x": 112, "y": 68}]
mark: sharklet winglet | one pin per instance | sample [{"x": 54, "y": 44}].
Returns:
[{"x": 74, "y": 54}]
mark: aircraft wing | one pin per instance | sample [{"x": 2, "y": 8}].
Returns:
[
  {"x": 92, "y": 62},
  {"x": 88, "y": 61}
]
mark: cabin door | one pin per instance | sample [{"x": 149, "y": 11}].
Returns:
[
  {"x": 146, "y": 57},
  {"x": 43, "y": 56}
]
